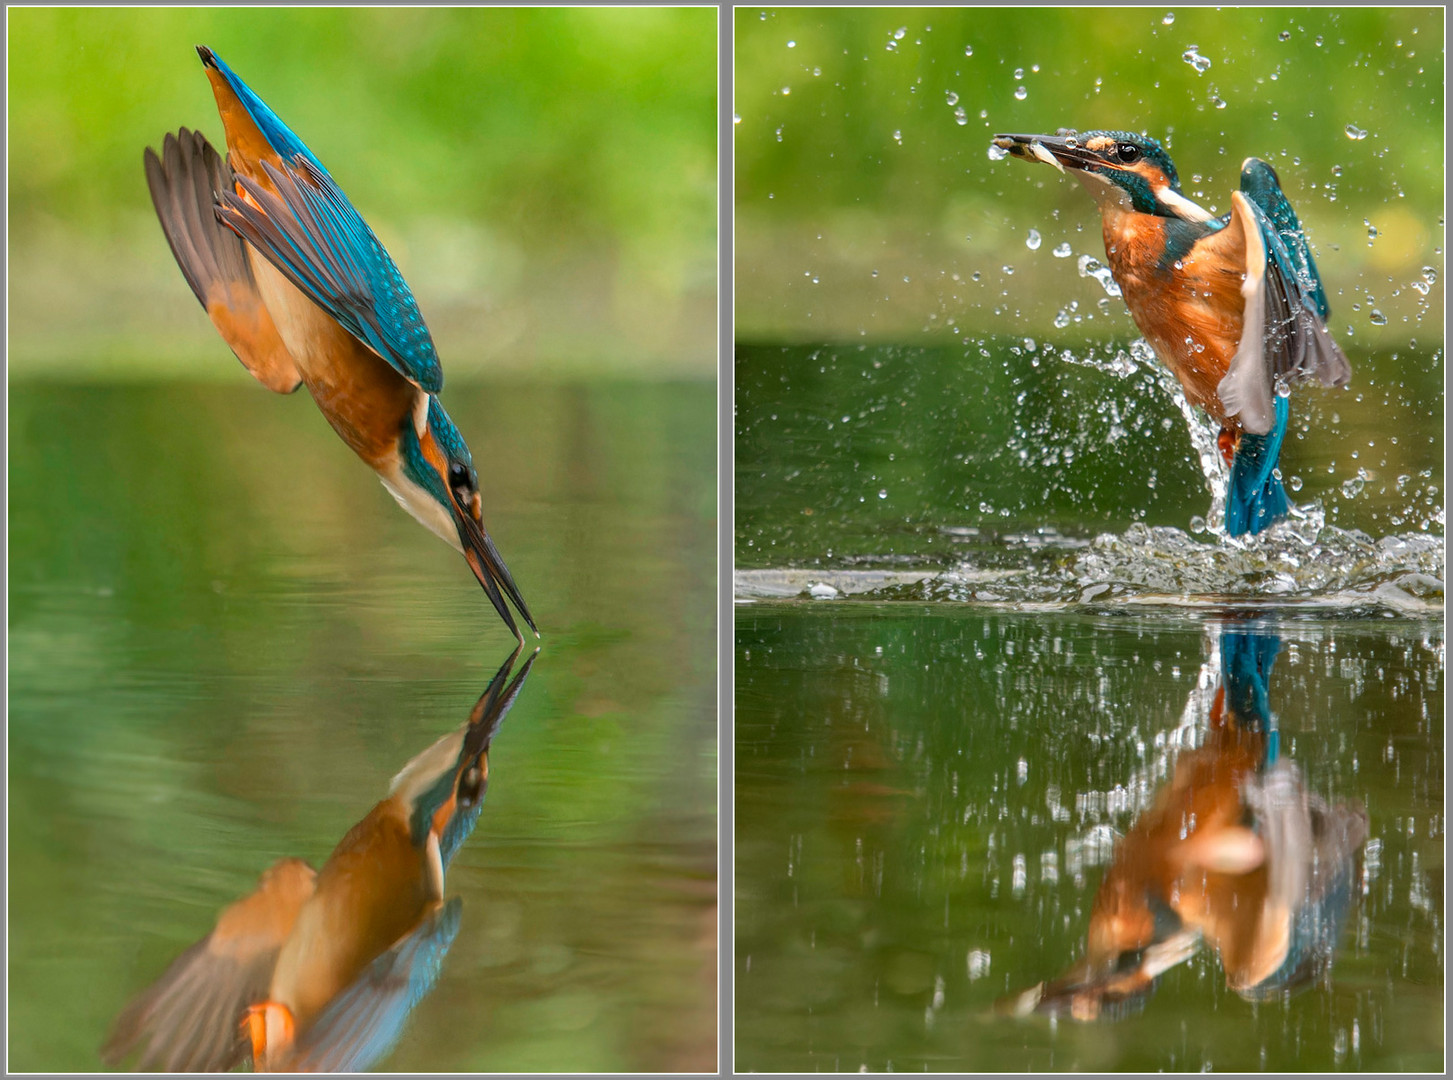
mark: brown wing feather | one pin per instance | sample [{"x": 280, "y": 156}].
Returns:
[
  {"x": 185, "y": 184},
  {"x": 189, "y": 1020}
]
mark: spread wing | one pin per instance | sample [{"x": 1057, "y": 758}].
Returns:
[
  {"x": 1284, "y": 334},
  {"x": 309, "y": 230},
  {"x": 186, "y": 182},
  {"x": 363, "y": 1023},
  {"x": 189, "y": 1020}
]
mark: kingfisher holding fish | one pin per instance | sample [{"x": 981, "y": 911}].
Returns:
[
  {"x": 1232, "y": 305},
  {"x": 305, "y": 294}
]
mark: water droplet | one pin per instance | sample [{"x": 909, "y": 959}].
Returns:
[
  {"x": 1317, "y": 41},
  {"x": 792, "y": 44},
  {"x": 1062, "y": 251},
  {"x": 1285, "y": 35},
  {"x": 1377, "y": 318},
  {"x": 882, "y": 493},
  {"x": 1091, "y": 267},
  {"x": 968, "y": 50},
  {"x": 1196, "y": 60},
  {"x": 997, "y": 153},
  {"x": 898, "y": 137},
  {"x": 1371, "y": 231},
  {"x": 1018, "y": 73},
  {"x": 1216, "y": 101},
  {"x": 1430, "y": 275},
  {"x": 1355, "y": 133},
  {"x": 960, "y": 117},
  {"x": 953, "y": 99},
  {"x": 1020, "y": 93},
  {"x": 1168, "y": 18},
  {"x": 786, "y": 90},
  {"x": 898, "y": 34},
  {"x": 1032, "y": 241},
  {"x": 1295, "y": 483}
]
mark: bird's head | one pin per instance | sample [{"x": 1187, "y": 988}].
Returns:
[
  {"x": 443, "y": 787},
  {"x": 439, "y": 463},
  {"x": 1119, "y": 168}
]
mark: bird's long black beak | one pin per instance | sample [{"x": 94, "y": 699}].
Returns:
[
  {"x": 1062, "y": 150},
  {"x": 494, "y": 705},
  {"x": 484, "y": 559}
]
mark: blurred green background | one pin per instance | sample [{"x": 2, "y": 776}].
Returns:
[
  {"x": 545, "y": 178},
  {"x": 868, "y": 209}
]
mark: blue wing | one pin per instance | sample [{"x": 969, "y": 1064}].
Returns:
[
  {"x": 273, "y": 129},
  {"x": 313, "y": 235},
  {"x": 363, "y": 1023},
  {"x": 1260, "y": 184},
  {"x": 1297, "y": 343}
]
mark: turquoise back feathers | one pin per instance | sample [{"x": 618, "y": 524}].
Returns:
[{"x": 334, "y": 258}]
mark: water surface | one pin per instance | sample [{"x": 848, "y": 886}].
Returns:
[
  {"x": 929, "y": 796},
  {"x": 226, "y": 638}
]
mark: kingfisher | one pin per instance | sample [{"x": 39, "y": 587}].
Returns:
[
  {"x": 305, "y": 294},
  {"x": 317, "y": 971},
  {"x": 1235, "y": 852},
  {"x": 1232, "y": 305}
]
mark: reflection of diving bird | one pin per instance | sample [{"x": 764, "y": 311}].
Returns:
[
  {"x": 317, "y": 972},
  {"x": 1235, "y": 852},
  {"x": 1232, "y": 305},
  {"x": 303, "y": 292}
]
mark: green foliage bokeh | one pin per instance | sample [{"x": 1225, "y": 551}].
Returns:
[
  {"x": 573, "y": 148},
  {"x": 862, "y": 137}
]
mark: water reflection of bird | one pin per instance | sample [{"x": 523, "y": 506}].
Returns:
[
  {"x": 1232, "y": 305},
  {"x": 304, "y": 293},
  {"x": 316, "y": 972},
  {"x": 1235, "y": 852}
]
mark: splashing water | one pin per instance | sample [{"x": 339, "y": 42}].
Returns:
[
  {"x": 980, "y": 548},
  {"x": 1203, "y": 432}
]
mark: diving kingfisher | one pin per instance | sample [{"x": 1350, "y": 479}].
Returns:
[
  {"x": 317, "y": 971},
  {"x": 303, "y": 292},
  {"x": 1232, "y": 305}
]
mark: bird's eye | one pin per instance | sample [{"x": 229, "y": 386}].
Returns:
[
  {"x": 460, "y": 478},
  {"x": 471, "y": 785},
  {"x": 1127, "y": 152}
]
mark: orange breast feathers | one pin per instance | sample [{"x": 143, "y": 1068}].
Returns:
[
  {"x": 374, "y": 889},
  {"x": 1189, "y": 309}
]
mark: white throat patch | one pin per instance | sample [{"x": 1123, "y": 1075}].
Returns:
[
  {"x": 1182, "y": 207},
  {"x": 1107, "y": 194}
]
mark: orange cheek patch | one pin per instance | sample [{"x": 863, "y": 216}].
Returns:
[{"x": 433, "y": 454}]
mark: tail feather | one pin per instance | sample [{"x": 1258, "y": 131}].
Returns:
[{"x": 1255, "y": 498}]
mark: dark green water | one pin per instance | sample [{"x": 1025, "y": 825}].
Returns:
[
  {"x": 226, "y": 639},
  {"x": 880, "y": 455},
  {"x": 927, "y": 798}
]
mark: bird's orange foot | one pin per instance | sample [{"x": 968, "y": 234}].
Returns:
[
  {"x": 270, "y": 1028},
  {"x": 1226, "y": 443}
]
